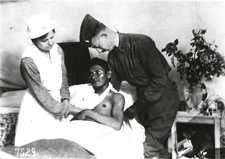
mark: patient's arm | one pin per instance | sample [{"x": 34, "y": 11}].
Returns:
[
  {"x": 74, "y": 110},
  {"x": 113, "y": 119}
]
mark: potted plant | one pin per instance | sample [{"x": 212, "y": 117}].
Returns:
[{"x": 202, "y": 62}]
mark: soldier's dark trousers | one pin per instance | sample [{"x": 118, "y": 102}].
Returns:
[{"x": 158, "y": 118}]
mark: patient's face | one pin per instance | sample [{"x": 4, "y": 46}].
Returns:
[{"x": 98, "y": 77}]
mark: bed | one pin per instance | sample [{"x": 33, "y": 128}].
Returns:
[
  {"x": 52, "y": 148},
  {"x": 43, "y": 148}
]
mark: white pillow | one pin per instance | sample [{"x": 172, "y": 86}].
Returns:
[
  {"x": 12, "y": 99},
  {"x": 76, "y": 88}
]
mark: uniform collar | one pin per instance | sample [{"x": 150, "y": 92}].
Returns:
[{"x": 122, "y": 37}]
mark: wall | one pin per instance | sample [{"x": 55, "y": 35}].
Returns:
[{"x": 164, "y": 21}]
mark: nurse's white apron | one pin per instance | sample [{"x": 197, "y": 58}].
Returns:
[{"x": 34, "y": 122}]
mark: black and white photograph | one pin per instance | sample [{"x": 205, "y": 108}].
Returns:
[{"x": 112, "y": 79}]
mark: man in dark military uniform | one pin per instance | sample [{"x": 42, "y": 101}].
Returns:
[{"x": 135, "y": 58}]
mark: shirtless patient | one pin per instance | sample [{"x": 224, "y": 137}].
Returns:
[{"x": 109, "y": 112}]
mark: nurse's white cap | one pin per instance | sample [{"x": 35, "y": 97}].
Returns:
[{"x": 39, "y": 25}]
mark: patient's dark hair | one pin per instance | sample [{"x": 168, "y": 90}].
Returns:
[
  {"x": 99, "y": 27},
  {"x": 100, "y": 62}
]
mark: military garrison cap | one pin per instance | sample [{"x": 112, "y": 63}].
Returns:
[{"x": 86, "y": 30}]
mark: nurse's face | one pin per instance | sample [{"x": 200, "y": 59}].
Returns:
[
  {"x": 102, "y": 43},
  {"x": 45, "y": 43}
]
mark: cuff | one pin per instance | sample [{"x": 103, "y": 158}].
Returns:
[{"x": 64, "y": 99}]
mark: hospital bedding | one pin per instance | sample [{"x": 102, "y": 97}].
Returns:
[{"x": 9, "y": 114}]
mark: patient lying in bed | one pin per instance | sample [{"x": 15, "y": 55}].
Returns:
[
  {"x": 101, "y": 103},
  {"x": 109, "y": 136}
]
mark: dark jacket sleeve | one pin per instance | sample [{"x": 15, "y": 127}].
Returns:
[
  {"x": 156, "y": 68},
  {"x": 32, "y": 78},
  {"x": 64, "y": 91}
]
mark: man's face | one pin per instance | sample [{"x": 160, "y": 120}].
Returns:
[
  {"x": 98, "y": 77},
  {"x": 102, "y": 43}
]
